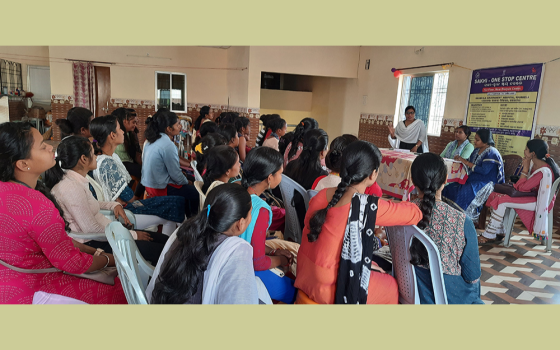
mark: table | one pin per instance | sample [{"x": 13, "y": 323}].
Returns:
[{"x": 395, "y": 178}]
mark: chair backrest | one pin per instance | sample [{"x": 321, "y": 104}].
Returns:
[
  {"x": 553, "y": 191},
  {"x": 400, "y": 238},
  {"x": 202, "y": 197},
  {"x": 133, "y": 270},
  {"x": 311, "y": 194},
  {"x": 511, "y": 162},
  {"x": 292, "y": 228},
  {"x": 197, "y": 176}
]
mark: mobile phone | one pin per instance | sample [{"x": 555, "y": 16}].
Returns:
[{"x": 277, "y": 271}]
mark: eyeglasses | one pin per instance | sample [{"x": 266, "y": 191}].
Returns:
[{"x": 409, "y": 113}]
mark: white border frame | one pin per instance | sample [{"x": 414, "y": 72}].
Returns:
[{"x": 170, "y": 85}]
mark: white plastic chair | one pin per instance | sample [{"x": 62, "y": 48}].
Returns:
[
  {"x": 400, "y": 239},
  {"x": 197, "y": 176},
  {"x": 311, "y": 193},
  {"x": 292, "y": 228},
  {"x": 134, "y": 271},
  {"x": 100, "y": 237},
  {"x": 510, "y": 215}
]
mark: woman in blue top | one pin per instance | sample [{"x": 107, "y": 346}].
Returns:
[
  {"x": 262, "y": 170},
  {"x": 161, "y": 171},
  {"x": 485, "y": 167},
  {"x": 452, "y": 232}
]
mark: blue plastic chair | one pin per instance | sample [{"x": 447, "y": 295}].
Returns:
[
  {"x": 510, "y": 215},
  {"x": 292, "y": 230},
  {"x": 400, "y": 239},
  {"x": 312, "y": 193},
  {"x": 134, "y": 271}
]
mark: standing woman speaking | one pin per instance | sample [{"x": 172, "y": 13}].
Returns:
[{"x": 410, "y": 134}]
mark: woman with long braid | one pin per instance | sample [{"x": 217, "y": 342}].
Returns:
[
  {"x": 326, "y": 266},
  {"x": 452, "y": 232}
]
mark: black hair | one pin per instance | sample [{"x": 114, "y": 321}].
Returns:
[
  {"x": 204, "y": 111},
  {"x": 205, "y": 129},
  {"x": 275, "y": 124},
  {"x": 16, "y": 142},
  {"x": 409, "y": 107},
  {"x": 228, "y": 131},
  {"x": 197, "y": 237},
  {"x": 266, "y": 119},
  {"x": 540, "y": 147},
  {"x": 466, "y": 130},
  {"x": 304, "y": 125},
  {"x": 158, "y": 123},
  {"x": 428, "y": 173},
  {"x": 76, "y": 119},
  {"x": 241, "y": 122},
  {"x": 68, "y": 154},
  {"x": 259, "y": 164},
  {"x": 206, "y": 143},
  {"x": 227, "y": 118},
  {"x": 307, "y": 167},
  {"x": 359, "y": 160},
  {"x": 486, "y": 136},
  {"x": 131, "y": 143},
  {"x": 220, "y": 159},
  {"x": 285, "y": 141},
  {"x": 334, "y": 157},
  {"x": 100, "y": 128}
]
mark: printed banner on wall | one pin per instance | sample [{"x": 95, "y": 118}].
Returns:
[{"x": 505, "y": 100}]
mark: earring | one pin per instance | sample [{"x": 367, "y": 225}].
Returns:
[
  {"x": 27, "y": 168},
  {"x": 269, "y": 185}
]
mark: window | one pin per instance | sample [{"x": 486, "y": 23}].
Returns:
[
  {"x": 427, "y": 94},
  {"x": 171, "y": 91},
  {"x": 10, "y": 76},
  {"x": 39, "y": 83}
]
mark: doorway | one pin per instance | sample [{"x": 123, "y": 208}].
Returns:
[{"x": 103, "y": 86}]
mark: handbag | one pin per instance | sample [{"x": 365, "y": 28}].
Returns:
[
  {"x": 509, "y": 190},
  {"x": 106, "y": 275},
  {"x": 272, "y": 200}
]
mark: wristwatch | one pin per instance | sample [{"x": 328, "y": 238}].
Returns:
[{"x": 98, "y": 252}]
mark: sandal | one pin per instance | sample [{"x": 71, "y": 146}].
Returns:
[
  {"x": 500, "y": 238},
  {"x": 486, "y": 241}
]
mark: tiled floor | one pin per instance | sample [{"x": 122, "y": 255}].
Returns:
[{"x": 522, "y": 273}]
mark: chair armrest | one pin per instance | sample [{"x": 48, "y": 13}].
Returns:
[
  {"x": 109, "y": 214},
  {"x": 90, "y": 236}
]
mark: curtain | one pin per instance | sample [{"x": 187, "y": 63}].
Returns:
[
  {"x": 10, "y": 73},
  {"x": 420, "y": 97},
  {"x": 84, "y": 85}
]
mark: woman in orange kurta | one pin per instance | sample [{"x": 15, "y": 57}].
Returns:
[{"x": 319, "y": 255}]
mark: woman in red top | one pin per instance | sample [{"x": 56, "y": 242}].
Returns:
[
  {"x": 536, "y": 157},
  {"x": 33, "y": 232},
  {"x": 323, "y": 259}
]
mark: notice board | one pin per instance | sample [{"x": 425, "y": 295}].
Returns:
[{"x": 505, "y": 100}]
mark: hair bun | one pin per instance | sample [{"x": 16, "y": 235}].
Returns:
[{"x": 149, "y": 120}]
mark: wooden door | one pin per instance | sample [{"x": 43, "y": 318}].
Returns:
[{"x": 103, "y": 96}]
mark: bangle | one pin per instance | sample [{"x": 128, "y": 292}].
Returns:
[
  {"x": 98, "y": 252},
  {"x": 272, "y": 252},
  {"x": 108, "y": 260},
  {"x": 522, "y": 173}
]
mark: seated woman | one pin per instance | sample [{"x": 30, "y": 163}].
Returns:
[
  {"x": 486, "y": 169},
  {"x": 262, "y": 170},
  {"x": 410, "y": 134},
  {"x": 203, "y": 148},
  {"x": 325, "y": 264},
  {"x": 243, "y": 128},
  {"x": 161, "y": 172},
  {"x": 113, "y": 178},
  {"x": 76, "y": 123},
  {"x": 277, "y": 128},
  {"x": 265, "y": 132},
  {"x": 223, "y": 164},
  {"x": 333, "y": 160},
  {"x": 206, "y": 262},
  {"x": 307, "y": 167},
  {"x": 204, "y": 116},
  {"x": 229, "y": 132},
  {"x": 71, "y": 189},
  {"x": 293, "y": 150},
  {"x": 539, "y": 171},
  {"x": 452, "y": 232},
  {"x": 461, "y": 146},
  {"x": 129, "y": 152},
  {"x": 33, "y": 232},
  {"x": 205, "y": 129}
]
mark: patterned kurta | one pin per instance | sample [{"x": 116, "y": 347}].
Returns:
[{"x": 32, "y": 236}]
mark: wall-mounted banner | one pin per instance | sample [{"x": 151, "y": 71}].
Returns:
[{"x": 505, "y": 100}]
